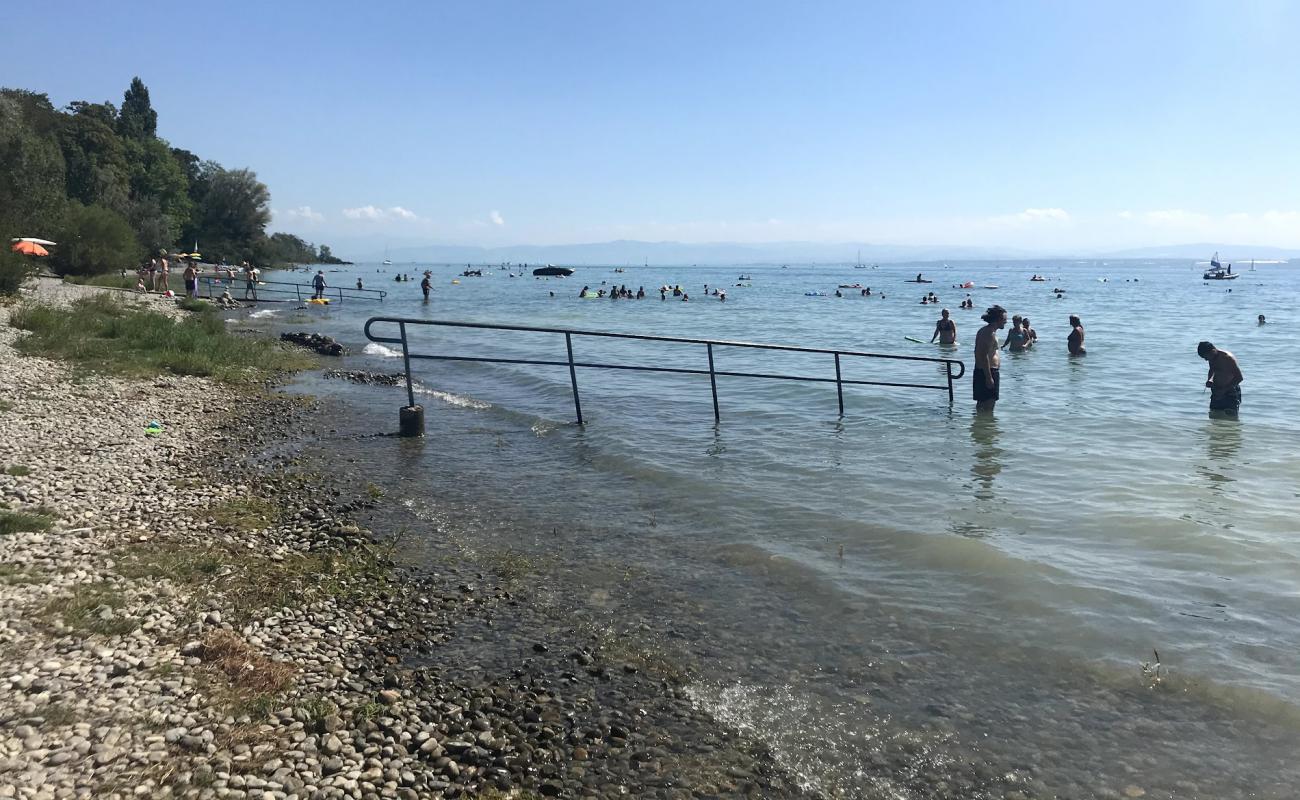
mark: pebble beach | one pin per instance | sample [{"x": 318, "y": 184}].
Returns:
[{"x": 201, "y": 616}]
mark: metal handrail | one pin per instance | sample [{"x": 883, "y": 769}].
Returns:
[
  {"x": 713, "y": 373},
  {"x": 341, "y": 292}
]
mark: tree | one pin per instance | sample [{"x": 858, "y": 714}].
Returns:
[
  {"x": 97, "y": 171},
  {"x": 31, "y": 165},
  {"x": 233, "y": 213},
  {"x": 93, "y": 240},
  {"x": 137, "y": 119}
]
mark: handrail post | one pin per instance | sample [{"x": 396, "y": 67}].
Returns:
[
  {"x": 713, "y": 385},
  {"x": 839, "y": 387},
  {"x": 947, "y": 370},
  {"x": 411, "y": 418},
  {"x": 573, "y": 375},
  {"x": 298, "y": 291},
  {"x": 340, "y": 295}
]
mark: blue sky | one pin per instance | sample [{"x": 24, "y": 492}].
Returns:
[{"x": 1045, "y": 124}]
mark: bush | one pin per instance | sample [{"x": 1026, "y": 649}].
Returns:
[
  {"x": 103, "y": 334},
  {"x": 94, "y": 240},
  {"x": 14, "y": 269}
]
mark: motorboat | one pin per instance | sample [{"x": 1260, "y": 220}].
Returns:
[
  {"x": 552, "y": 271},
  {"x": 1217, "y": 272}
]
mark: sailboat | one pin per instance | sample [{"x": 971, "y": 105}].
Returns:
[
  {"x": 387, "y": 261},
  {"x": 858, "y": 264}
]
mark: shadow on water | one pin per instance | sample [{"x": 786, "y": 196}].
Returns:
[
  {"x": 1222, "y": 437},
  {"x": 987, "y": 463}
]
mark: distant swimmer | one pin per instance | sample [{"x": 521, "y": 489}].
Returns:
[
  {"x": 583, "y": 293},
  {"x": 685, "y": 297},
  {"x": 722, "y": 296},
  {"x": 945, "y": 330},
  {"x": 359, "y": 286},
  {"x": 1075, "y": 342},
  {"x": 1261, "y": 319},
  {"x": 1016, "y": 341},
  {"x": 985, "y": 379},
  {"x": 1224, "y": 378}
]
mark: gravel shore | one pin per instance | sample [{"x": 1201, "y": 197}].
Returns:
[{"x": 203, "y": 618}]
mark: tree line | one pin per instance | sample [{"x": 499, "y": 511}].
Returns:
[{"x": 97, "y": 179}]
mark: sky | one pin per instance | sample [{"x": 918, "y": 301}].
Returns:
[{"x": 1033, "y": 125}]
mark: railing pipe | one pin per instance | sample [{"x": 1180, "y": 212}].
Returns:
[
  {"x": 839, "y": 384},
  {"x": 713, "y": 384},
  {"x": 406, "y": 363},
  {"x": 573, "y": 377},
  {"x": 713, "y": 372}
]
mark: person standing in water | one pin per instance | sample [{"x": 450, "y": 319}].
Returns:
[
  {"x": 1075, "y": 342},
  {"x": 1224, "y": 379},
  {"x": 318, "y": 283},
  {"x": 1016, "y": 340},
  {"x": 945, "y": 330},
  {"x": 985, "y": 379},
  {"x": 426, "y": 285}
]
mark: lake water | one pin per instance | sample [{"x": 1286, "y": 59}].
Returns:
[{"x": 912, "y": 600}]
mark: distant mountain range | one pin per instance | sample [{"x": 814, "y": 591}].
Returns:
[{"x": 630, "y": 252}]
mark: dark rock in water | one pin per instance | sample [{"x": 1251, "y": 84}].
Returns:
[
  {"x": 314, "y": 341},
  {"x": 367, "y": 377}
]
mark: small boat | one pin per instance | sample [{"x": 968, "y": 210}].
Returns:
[
  {"x": 814, "y": 294},
  {"x": 472, "y": 273},
  {"x": 550, "y": 270},
  {"x": 617, "y": 269},
  {"x": 1038, "y": 279},
  {"x": 1217, "y": 272},
  {"x": 850, "y": 286},
  {"x": 966, "y": 285},
  {"x": 745, "y": 278},
  {"x": 990, "y": 286}
]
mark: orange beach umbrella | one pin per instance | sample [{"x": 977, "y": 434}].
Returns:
[{"x": 30, "y": 249}]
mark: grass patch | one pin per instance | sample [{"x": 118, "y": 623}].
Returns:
[
  {"x": 59, "y": 715},
  {"x": 103, "y": 333},
  {"x": 13, "y": 575},
  {"x": 93, "y": 608},
  {"x": 194, "y": 304},
  {"x": 5, "y": 405},
  {"x": 250, "y": 584},
  {"x": 246, "y": 514},
  {"x": 18, "y": 470},
  {"x": 246, "y": 669},
  {"x": 15, "y": 521}
]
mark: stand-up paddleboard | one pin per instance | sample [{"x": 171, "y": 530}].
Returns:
[
  {"x": 914, "y": 280},
  {"x": 990, "y": 286},
  {"x": 914, "y": 339}
]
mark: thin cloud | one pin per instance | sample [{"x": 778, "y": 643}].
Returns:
[
  {"x": 375, "y": 213},
  {"x": 495, "y": 218},
  {"x": 303, "y": 213},
  {"x": 1032, "y": 216}
]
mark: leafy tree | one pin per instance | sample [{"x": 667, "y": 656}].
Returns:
[
  {"x": 137, "y": 120},
  {"x": 31, "y": 165},
  {"x": 233, "y": 213},
  {"x": 97, "y": 170},
  {"x": 92, "y": 240},
  {"x": 160, "y": 196}
]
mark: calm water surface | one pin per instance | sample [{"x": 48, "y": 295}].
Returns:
[{"x": 913, "y": 599}]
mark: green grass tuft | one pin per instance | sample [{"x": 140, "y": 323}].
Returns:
[
  {"x": 15, "y": 521},
  {"x": 18, "y": 470},
  {"x": 105, "y": 334}
]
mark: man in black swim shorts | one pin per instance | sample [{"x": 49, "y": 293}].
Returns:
[{"x": 985, "y": 378}]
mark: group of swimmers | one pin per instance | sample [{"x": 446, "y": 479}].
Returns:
[
  {"x": 614, "y": 293},
  {"x": 624, "y": 293}
]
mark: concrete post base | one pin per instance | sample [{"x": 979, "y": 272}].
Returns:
[{"x": 411, "y": 421}]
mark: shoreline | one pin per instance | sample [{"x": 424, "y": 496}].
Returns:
[{"x": 197, "y": 622}]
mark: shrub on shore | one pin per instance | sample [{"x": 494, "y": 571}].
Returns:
[
  {"x": 105, "y": 334},
  {"x": 14, "y": 269}
]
